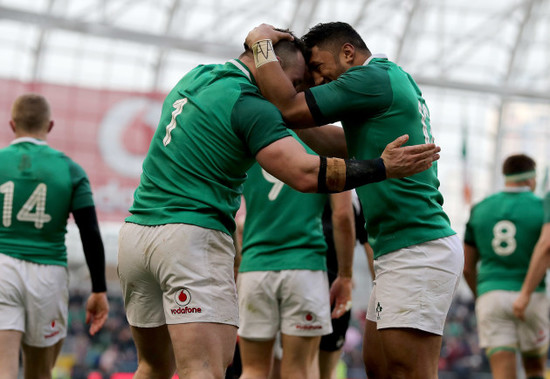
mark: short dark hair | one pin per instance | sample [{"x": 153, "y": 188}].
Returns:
[
  {"x": 331, "y": 36},
  {"x": 285, "y": 49},
  {"x": 31, "y": 112},
  {"x": 518, "y": 163}
]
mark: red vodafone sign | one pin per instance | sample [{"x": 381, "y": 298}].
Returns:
[{"x": 106, "y": 132}]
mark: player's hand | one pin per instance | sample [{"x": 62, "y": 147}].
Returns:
[
  {"x": 266, "y": 31},
  {"x": 408, "y": 160},
  {"x": 340, "y": 295},
  {"x": 97, "y": 310},
  {"x": 520, "y": 304}
]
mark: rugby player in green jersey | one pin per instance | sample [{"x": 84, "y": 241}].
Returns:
[
  {"x": 39, "y": 188},
  {"x": 176, "y": 252},
  {"x": 500, "y": 235},
  {"x": 282, "y": 282},
  {"x": 418, "y": 257}
]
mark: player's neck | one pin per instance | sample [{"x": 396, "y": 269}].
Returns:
[
  {"x": 40, "y": 136},
  {"x": 248, "y": 61}
]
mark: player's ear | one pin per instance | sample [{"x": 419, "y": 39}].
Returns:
[
  {"x": 12, "y": 125},
  {"x": 347, "y": 52},
  {"x": 50, "y": 126}
]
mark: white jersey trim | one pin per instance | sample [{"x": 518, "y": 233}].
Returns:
[
  {"x": 240, "y": 67},
  {"x": 517, "y": 189},
  {"x": 375, "y": 56},
  {"x": 36, "y": 141}
]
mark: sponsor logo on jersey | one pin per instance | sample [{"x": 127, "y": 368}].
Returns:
[{"x": 183, "y": 298}]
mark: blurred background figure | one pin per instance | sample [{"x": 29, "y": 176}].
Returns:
[{"x": 501, "y": 235}]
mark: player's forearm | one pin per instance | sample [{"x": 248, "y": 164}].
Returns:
[
  {"x": 540, "y": 261},
  {"x": 471, "y": 281},
  {"x": 343, "y": 229},
  {"x": 94, "y": 252}
]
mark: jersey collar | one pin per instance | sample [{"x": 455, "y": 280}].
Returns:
[
  {"x": 383, "y": 56},
  {"x": 242, "y": 67},
  {"x": 36, "y": 141},
  {"x": 517, "y": 189}
]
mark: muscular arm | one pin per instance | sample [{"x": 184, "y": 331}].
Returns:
[
  {"x": 343, "y": 228},
  {"x": 275, "y": 85},
  {"x": 540, "y": 262},
  {"x": 471, "y": 256},
  {"x": 327, "y": 140},
  {"x": 287, "y": 160}
]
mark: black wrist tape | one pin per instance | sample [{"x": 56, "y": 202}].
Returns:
[{"x": 337, "y": 175}]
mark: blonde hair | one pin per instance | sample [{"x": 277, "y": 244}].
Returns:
[{"x": 31, "y": 113}]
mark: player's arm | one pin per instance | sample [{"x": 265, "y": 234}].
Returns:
[
  {"x": 327, "y": 140},
  {"x": 273, "y": 82},
  {"x": 471, "y": 256},
  {"x": 370, "y": 258},
  {"x": 238, "y": 237},
  {"x": 540, "y": 262},
  {"x": 287, "y": 160},
  {"x": 97, "y": 307},
  {"x": 343, "y": 229}
]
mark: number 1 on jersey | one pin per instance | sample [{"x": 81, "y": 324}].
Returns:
[{"x": 178, "y": 105}]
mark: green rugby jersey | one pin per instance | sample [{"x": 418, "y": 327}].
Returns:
[
  {"x": 283, "y": 227},
  {"x": 212, "y": 125},
  {"x": 376, "y": 103},
  {"x": 505, "y": 228},
  {"x": 39, "y": 187}
]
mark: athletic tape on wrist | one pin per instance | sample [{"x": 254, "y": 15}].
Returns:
[{"x": 263, "y": 52}]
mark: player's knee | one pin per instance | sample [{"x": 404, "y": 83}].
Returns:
[{"x": 156, "y": 368}]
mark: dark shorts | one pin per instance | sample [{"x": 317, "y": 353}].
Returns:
[{"x": 335, "y": 340}]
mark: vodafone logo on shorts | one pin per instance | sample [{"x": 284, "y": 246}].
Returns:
[
  {"x": 309, "y": 317},
  {"x": 308, "y": 323},
  {"x": 183, "y": 298},
  {"x": 53, "y": 330}
]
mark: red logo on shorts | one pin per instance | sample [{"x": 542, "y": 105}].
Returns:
[
  {"x": 309, "y": 322},
  {"x": 309, "y": 317},
  {"x": 54, "y": 332},
  {"x": 183, "y": 297}
]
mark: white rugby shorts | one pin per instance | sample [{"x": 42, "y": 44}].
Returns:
[
  {"x": 296, "y": 302},
  {"x": 497, "y": 326},
  {"x": 175, "y": 274},
  {"x": 414, "y": 286},
  {"x": 34, "y": 300}
]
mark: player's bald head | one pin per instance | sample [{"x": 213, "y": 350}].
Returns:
[{"x": 31, "y": 113}]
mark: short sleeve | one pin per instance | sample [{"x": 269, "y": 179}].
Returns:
[
  {"x": 258, "y": 122},
  {"x": 361, "y": 89}
]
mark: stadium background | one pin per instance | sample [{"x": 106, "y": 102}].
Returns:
[{"x": 105, "y": 66}]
